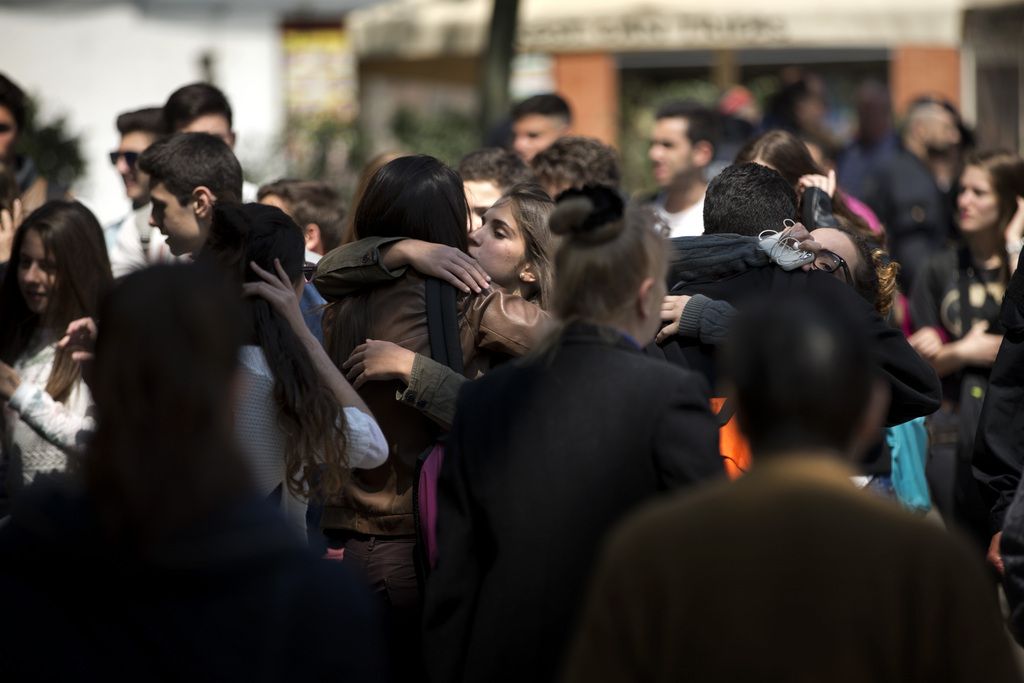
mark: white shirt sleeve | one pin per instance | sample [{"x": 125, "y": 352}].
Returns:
[
  {"x": 65, "y": 425},
  {"x": 367, "y": 447}
]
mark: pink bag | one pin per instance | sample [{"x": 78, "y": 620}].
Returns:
[{"x": 426, "y": 500}]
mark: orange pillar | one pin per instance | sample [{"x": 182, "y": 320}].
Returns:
[
  {"x": 916, "y": 71},
  {"x": 590, "y": 83}
]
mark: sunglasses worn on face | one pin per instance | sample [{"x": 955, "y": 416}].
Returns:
[
  {"x": 129, "y": 158},
  {"x": 6, "y": 128},
  {"x": 830, "y": 262}
]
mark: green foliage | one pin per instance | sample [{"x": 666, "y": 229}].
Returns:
[
  {"x": 448, "y": 135},
  {"x": 56, "y": 152},
  {"x": 323, "y": 148}
]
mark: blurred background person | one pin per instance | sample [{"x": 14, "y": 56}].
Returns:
[
  {"x": 58, "y": 272},
  {"x": 576, "y": 162},
  {"x": 315, "y": 206},
  {"x": 875, "y": 140},
  {"x": 954, "y": 310},
  {"x": 163, "y": 519},
  {"x": 487, "y": 174},
  {"x": 913, "y": 193},
  {"x": 129, "y": 239},
  {"x": 537, "y": 122},
  {"x": 682, "y": 147},
  {"x": 33, "y": 188}
]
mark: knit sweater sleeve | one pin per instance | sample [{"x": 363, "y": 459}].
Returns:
[
  {"x": 367, "y": 447},
  {"x": 65, "y": 425},
  {"x": 706, "y": 320}
]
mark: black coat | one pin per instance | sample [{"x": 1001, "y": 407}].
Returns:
[
  {"x": 915, "y": 387},
  {"x": 237, "y": 599},
  {"x": 544, "y": 457},
  {"x": 999, "y": 446}
]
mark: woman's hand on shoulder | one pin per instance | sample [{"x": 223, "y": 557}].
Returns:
[
  {"x": 378, "y": 360},
  {"x": 279, "y": 292},
  {"x": 449, "y": 264}
]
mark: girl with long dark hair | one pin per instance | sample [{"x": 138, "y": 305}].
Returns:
[
  {"x": 58, "y": 271},
  {"x": 300, "y": 423}
]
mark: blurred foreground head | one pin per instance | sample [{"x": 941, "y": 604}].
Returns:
[
  {"x": 163, "y": 456},
  {"x": 805, "y": 379}
]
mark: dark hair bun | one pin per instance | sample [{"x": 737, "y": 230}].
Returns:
[{"x": 592, "y": 214}]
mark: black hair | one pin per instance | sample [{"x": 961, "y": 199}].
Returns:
[
  {"x": 13, "y": 97},
  {"x": 311, "y": 201},
  {"x": 189, "y": 102},
  {"x": 500, "y": 166},
  {"x": 185, "y": 161},
  {"x": 702, "y": 124},
  {"x": 308, "y": 414},
  {"x": 746, "y": 199},
  {"x": 149, "y": 120},
  {"x": 548, "y": 104},
  {"x": 417, "y": 197},
  {"x": 802, "y": 372}
]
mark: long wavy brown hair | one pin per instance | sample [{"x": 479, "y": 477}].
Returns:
[{"x": 73, "y": 241}]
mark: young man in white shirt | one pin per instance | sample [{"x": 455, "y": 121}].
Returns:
[{"x": 682, "y": 145}]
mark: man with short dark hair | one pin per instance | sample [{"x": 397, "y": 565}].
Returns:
[
  {"x": 746, "y": 199},
  {"x": 128, "y": 239},
  {"x": 682, "y": 146},
  {"x": 315, "y": 206},
  {"x": 487, "y": 174},
  {"x": 576, "y": 162},
  {"x": 792, "y": 573},
  {"x": 537, "y": 122},
  {"x": 204, "y": 108},
  {"x": 189, "y": 173}
]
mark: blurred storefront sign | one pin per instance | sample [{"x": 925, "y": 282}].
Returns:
[{"x": 319, "y": 72}]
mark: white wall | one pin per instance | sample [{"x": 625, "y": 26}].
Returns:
[{"x": 94, "y": 63}]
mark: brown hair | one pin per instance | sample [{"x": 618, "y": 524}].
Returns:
[
  {"x": 73, "y": 240},
  {"x": 311, "y": 201},
  {"x": 574, "y": 161},
  {"x": 1006, "y": 173},
  {"x": 531, "y": 208},
  {"x": 875, "y": 277},
  {"x": 604, "y": 257},
  {"x": 788, "y": 155}
]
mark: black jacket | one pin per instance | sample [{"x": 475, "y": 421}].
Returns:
[
  {"x": 238, "y": 599},
  {"x": 999, "y": 445},
  {"x": 916, "y": 390},
  {"x": 544, "y": 456}
]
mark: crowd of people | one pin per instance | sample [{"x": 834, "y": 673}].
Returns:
[{"x": 503, "y": 422}]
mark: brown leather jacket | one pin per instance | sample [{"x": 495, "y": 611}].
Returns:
[{"x": 491, "y": 324}]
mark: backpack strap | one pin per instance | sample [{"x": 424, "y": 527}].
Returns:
[{"x": 443, "y": 324}]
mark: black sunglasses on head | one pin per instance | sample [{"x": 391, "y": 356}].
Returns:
[{"x": 129, "y": 158}]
